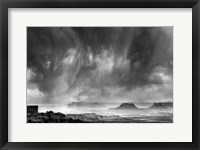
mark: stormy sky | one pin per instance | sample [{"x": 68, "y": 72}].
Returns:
[{"x": 99, "y": 64}]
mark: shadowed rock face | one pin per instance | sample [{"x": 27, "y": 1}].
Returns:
[
  {"x": 163, "y": 105},
  {"x": 32, "y": 109},
  {"x": 127, "y": 106},
  {"x": 51, "y": 117}
]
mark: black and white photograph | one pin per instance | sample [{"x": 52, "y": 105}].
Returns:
[{"x": 99, "y": 74}]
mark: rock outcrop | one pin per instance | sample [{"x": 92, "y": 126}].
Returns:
[{"x": 162, "y": 105}]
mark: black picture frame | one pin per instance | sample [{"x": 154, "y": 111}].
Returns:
[{"x": 6, "y": 4}]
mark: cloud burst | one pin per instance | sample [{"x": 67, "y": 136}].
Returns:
[{"x": 105, "y": 64}]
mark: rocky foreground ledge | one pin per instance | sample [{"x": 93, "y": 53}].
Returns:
[{"x": 51, "y": 117}]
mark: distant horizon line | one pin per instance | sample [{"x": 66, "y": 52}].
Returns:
[{"x": 107, "y": 102}]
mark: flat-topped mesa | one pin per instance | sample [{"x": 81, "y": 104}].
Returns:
[
  {"x": 162, "y": 105},
  {"x": 127, "y": 106}
]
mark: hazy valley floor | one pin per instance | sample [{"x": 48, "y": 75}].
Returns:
[{"x": 125, "y": 113}]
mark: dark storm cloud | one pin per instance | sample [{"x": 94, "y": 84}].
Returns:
[
  {"x": 150, "y": 47},
  {"x": 48, "y": 45},
  {"x": 146, "y": 48},
  {"x": 91, "y": 60}
]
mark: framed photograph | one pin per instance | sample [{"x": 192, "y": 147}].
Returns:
[{"x": 100, "y": 75}]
